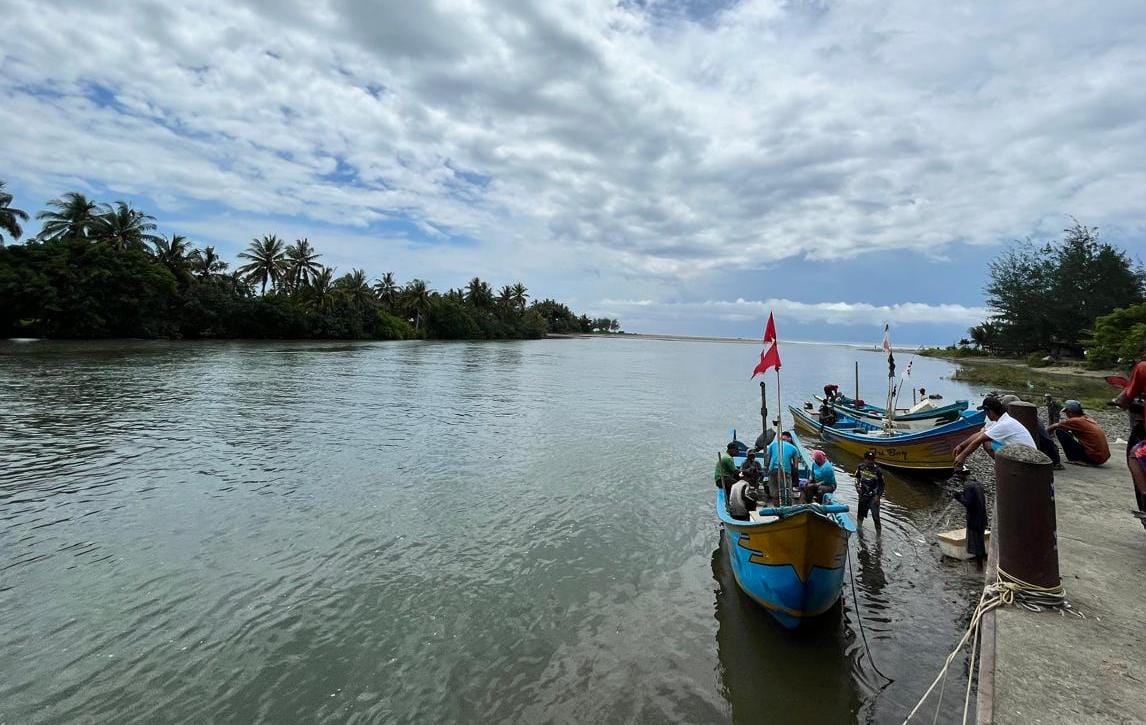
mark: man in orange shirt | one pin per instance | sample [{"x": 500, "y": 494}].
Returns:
[{"x": 1080, "y": 436}]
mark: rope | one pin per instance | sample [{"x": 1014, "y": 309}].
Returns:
[
  {"x": 859, "y": 618},
  {"x": 1006, "y": 590}
]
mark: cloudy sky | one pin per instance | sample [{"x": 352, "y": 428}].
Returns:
[{"x": 684, "y": 166}]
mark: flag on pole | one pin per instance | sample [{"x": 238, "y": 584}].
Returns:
[
  {"x": 888, "y": 350},
  {"x": 770, "y": 356},
  {"x": 769, "y": 359}
]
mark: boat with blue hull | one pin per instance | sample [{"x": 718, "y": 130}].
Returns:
[
  {"x": 929, "y": 450},
  {"x": 790, "y": 559}
]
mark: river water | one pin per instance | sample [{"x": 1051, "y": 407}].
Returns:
[{"x": 428, "y": 532}]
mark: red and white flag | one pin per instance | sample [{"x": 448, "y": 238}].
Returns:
[{"x": 770, "y": 356}]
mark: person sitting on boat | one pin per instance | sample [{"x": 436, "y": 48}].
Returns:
[
  {"x": 976, "y": 503},
  {"x": 823, "y": 478},
  {"x": 726, "y": 471},
  {"x": 831, "y": 392},
  {"x": 827, "y": 413},
  {"x": 751, "y": 472},
  {"x": 1082, "y": 439},
  {"x": 870, "y": 486},
  {"x": 1000, "y": 430},
  {"x": 740, "y": 501}
]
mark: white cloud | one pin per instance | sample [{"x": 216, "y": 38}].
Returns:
[
  {"x": 835, "y": 313},
  {"x": 626, "y": 140}
]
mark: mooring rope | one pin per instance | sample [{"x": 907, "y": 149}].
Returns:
[
  {"x": 1006, "y": 590},
  {"x": 859, "y": 619}
]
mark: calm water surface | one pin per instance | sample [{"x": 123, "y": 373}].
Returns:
[{"x": 423, "y": 532}]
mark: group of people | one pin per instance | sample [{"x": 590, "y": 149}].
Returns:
[
  {"x": 1082, "y": 439},
  {"x": 754, "y": 483}
]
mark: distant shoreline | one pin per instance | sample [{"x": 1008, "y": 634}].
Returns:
[{"x": 735, "y": 340}]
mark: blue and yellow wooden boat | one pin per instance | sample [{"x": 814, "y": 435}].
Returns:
[
  {"x": 790, "y": 559},
  {"x": 907, "y": 419},
  {"x": 929, "y": 450}
]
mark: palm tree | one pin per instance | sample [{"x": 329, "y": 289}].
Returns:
[
  {"x": 267, "y": 258},
  {"x": 301, "y": 263},
  {"x": 520, "y": 296},
  {"x": 10, "y": 217},
  {"x": 320, "y": 291},
  {"x": 174, "y": 253},
  {"x": 416, "y": 299},
  {"x": 505, "y": 297},
  {"x": 478, "y": 293},
  {"x": 72, "y": 216},
  {"x": 124, "y": 228},
  {"x": 355, "y": 289},
  {"x": 386, "y": 290},
  {"x": 206, "y": 263}
]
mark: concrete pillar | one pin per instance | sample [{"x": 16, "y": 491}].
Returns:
[
  {"x": 1026, "y": 530},
  {"x": 1027, "y": 414}
]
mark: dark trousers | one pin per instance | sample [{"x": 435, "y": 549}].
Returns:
[
  {"x": 1072, "y": 447},
  {"x": 1047, "y": 446},
  {"x": 866, "y": 504}
]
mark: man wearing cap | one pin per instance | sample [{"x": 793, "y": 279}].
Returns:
[
  {"x": 1082, "y": 439},
  {"x": 1001, "y": 430},
  {"x": 870, "y": 487},
  {"x": 726, "y": 471}
]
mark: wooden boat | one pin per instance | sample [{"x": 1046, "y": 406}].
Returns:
[
  {"x": 914, "y": 418},
  {"x": 929, "y": 450},
  {"x": 790, "y": 559}
]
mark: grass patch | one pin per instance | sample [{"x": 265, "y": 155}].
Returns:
[{"x": 1031, "y": 384}]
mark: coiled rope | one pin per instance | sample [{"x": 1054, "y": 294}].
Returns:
[{"x": 1005, "y": 591}]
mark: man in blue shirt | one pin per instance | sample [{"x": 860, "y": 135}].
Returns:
[
  {"x": 823, "y": 478},
  {"x": 783, "y": 452}
]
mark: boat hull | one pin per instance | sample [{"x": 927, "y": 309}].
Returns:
[
  {"x": 793, "y": 566},
  {"x": 932, "y": 450},
  {"x": 909, "y": 423},
  {"x": 949, "y": 412}
]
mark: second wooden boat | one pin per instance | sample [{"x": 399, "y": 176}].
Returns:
[{"x": 929, "y": 450}]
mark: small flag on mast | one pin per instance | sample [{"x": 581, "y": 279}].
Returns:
[
  {"x": 770, "y": 356},
  {"x": 888, "y": 350}
]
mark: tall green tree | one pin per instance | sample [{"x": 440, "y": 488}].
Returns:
[
  {"x": 174, "y": 253},
  {"x": 479, "y": 293},
  {"x": 1044, "y": 298},
  {"x": 416, "y": 297},
  {"x": 10, "y": 216},
  {"x": 122, "y": 227},
  {"x": 505, "y": 296},
  {"x": 321, "y": 292},
  {"x": 386, "y": 289},
  {"x": 302, "y": 264},
  {"x": 520, "y": 295},
  {"x": 267, "y": 262},
  {"x": 355, "y": 289},
  {"x": 206, "y": 263},
  {"x": 71, "y": 216}
]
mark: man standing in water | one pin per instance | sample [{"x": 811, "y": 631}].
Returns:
[
  {"x": 869, "y": 484},
  {"x": 972, "y": 497}
]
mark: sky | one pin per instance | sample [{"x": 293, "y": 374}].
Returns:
[{"x": 685, "y": 167}]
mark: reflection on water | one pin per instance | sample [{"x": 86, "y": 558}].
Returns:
[{"x": 409, "y": 532}]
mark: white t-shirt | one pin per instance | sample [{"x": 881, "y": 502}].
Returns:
[{"x": 1007, "y": 430}]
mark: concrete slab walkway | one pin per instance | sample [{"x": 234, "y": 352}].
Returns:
[{"x": 1050, "y": 668}]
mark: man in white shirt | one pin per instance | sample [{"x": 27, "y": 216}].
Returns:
[{"x": 1001, "y": 429}]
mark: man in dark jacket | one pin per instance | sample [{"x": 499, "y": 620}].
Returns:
[
  {"x": 976, "y": 503},
  {"x": 869, "y": 485}
]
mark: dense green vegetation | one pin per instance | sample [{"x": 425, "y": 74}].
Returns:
[
  {"x": 1051, "y": 299},
  {"x": 98, "y": 270},
  {"x": 1118, "y": 337}
]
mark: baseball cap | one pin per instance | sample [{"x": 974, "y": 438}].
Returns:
[{"x": 1073, "y": 406}]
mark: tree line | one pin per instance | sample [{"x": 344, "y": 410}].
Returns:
[
  {"x": 1058, "y": 298},
  {"x": 102, "y": 270}
]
